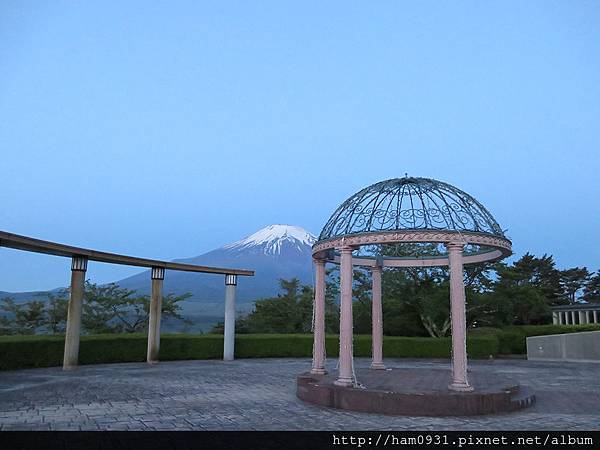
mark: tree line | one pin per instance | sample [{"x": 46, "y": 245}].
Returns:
[
  {"x": 106, "y": 309},
  {"x": 416, "y": 300}
]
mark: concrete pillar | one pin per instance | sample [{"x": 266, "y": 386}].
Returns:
[
  {"x": 573, "y": 320},
  {"x": 555, "y": 318},
  {"x": 560, "y": 318},
  {"x": 458, "y": 316},
  {"x": 345, "y": 377},
  {"x": 377, "y": 318},
  {"x": 229, "y": 331},
  {"x": 318, "y": 363},
  {"x": 595, "y": 316},
  {"x": 71, "y": 355},
  {"x": 157, "y": 276}
]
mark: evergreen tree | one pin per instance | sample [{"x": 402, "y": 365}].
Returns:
[
  {"x": 591, "y": 292},
  {"x": 573, "y": 281}
]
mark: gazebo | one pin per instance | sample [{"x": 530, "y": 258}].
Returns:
[{"x": 405, "y": 210}]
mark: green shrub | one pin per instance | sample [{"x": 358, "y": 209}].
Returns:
[
  {"x": 174, "y": 347},
  {"x": 46, "y": 351},
  {"x": 111, "y": 348},
  {"x": 540, "y": 330},
  {"x": 17, "y": 352},
  {"x": 273, "y": 345},
  {"x": 484, "y": 330},
  {"x": 513, "y": 339},
  {"x": 511, "y": 342}
]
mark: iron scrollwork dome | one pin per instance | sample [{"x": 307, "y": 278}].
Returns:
[{"x": 410, "y": 203}]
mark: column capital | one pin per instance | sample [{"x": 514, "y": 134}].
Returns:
[
  {"x": 376, "y": 269},
  {"x": 319, "y": 261},
  {"x": 454, "y": 245},
  {"x": 230, "y": 280},
  {"x": 346, "y": 248},
  {"x": 158, "y": 273},
  {"x": 79, "y": 263}
]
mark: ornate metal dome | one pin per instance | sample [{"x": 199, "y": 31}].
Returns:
[{"x": 410, "y": 204}]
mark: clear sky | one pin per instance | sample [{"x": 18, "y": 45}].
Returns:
[{"x": 166, "y": 129}]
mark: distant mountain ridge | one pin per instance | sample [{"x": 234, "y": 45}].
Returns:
[{"x": 274, "y": 252}]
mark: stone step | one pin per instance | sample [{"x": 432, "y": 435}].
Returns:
[{"x": 524, "y": 398}]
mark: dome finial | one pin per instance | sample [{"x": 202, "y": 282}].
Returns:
[{"x": 405, "y": 174}]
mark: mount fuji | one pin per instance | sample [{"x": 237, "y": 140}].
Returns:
[{"x": 274, "y": 252}]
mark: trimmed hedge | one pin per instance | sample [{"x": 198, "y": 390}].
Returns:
[
  {"x": 513, "y": 339},
  {"x": 18, "y": 352}
]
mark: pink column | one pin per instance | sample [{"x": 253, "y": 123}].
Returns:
[
  {"x": 318, "y": 363},
  {"x": 377, "y": 316},
  {"x": 345, "y": 370},
  {"x": 458, "y": 314}
]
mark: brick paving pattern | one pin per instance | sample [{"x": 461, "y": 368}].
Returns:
[{"x": 260, "y": 395}]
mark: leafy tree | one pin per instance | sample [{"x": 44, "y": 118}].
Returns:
[
  {"x": 111, "y": 309},
  {"x": 362, "y": 302},
  {"x": 56, "y": 312},
  {"x": 101, "y": 306},
  {"x": 540, "y": 273},
  {"x": 106, "y": 309},
  {"x": 525, "y": 290},
  {"x": 361, "y": 306},
  {"x": 332, "y": 310},
  {"x": 290, "y": 312},
  {"x": 400, "y": 317},
  {"x": 6, "y": 326},
  {"x": 27, "y": 318},
  {"x": 7, "y": 322}
]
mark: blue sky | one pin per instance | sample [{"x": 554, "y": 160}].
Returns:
[{"x": 166, "y": 129}]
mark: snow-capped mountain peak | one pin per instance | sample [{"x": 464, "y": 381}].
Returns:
[{"x": 271, "y": 239}]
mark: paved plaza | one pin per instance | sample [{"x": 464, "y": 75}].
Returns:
[{"x": 259, "y": 394}]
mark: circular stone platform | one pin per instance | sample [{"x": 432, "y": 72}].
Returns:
[{"x": 415, "y": 392}]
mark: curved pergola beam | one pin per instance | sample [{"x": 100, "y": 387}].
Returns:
[
  {"x": 29, "y": 244},
  {"x": 79, "y": 261},
  {"x": 442, "y": 261},
  {"x": 499, "y": 247}
]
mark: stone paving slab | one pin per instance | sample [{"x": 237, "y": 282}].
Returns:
[{"x": 259, "y": 394}]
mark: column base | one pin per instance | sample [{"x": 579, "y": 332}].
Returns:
[
  {"x": 318, "y": 371},
  {"x": 344, "y": 382},
  {"x": 70, "y": 368},
  {"x": 152, "y": 362},
  {"x": 460, "y": 386},
  {"x": 377, "y": 366}
]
